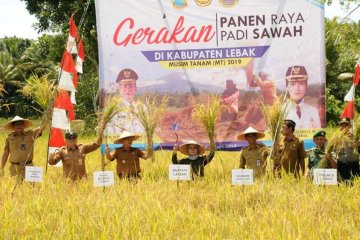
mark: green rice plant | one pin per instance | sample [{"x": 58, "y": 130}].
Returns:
[
  {"x": 208, "y": 114},
  {"x": 149, "y": 112},
  {"x": 42, "y": 91}
]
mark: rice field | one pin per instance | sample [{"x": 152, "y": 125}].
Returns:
[{"x": 157, "y": 208}]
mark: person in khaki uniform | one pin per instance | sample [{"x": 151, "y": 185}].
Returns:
[
  {"x": 253, "y": 156},
  {"x": 19, "y": 144},
  {"x": 290, "y": 153},
  {"x": 127, "y": 157},
  {"x": 73, "y": 156}
]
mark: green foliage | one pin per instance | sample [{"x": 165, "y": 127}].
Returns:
[
  {"x": 333, "y": 108},
  {"x": 342, "y": 52},
  {"x": 87, "y": 100}
]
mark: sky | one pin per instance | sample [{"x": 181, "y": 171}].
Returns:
[{"x": 16, "y": 21}]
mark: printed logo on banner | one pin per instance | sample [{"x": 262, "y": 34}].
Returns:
[
  {"x": 228, "y": 3},
  {"x": 203, "y": 3},
  {"x": 180, "y": 4}
]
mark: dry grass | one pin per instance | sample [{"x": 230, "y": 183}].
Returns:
[
  {"x": 149, "y": 112},
  {"x": 156, "y": 208}
]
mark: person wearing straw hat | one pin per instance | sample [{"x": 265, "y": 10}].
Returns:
[
  {"x": 303, "y": 114},
  {"x": 347, "y": 159},
  {"x": 317, "y": 156},
  {"x": 195, "y": 159},
  {"x": 73, "y": 155},
  {"x": 253, "y": 156},
  {"x": 127, "y": 157},
  {"x": 19, "y": 145},
  {"x": 290, "y": 153}
]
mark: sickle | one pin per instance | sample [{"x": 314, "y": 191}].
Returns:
[{"x": 177, "y": 137}]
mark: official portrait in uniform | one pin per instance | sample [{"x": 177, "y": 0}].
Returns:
[
  {"x": 302, "y": 113},
  {"x": 126, "y": 120}
]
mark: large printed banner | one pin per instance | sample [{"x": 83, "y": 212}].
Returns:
[{"x": 249, "y": 52}]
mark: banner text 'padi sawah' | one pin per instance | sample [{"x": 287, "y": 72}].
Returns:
[{"x": 247, "y": 51}]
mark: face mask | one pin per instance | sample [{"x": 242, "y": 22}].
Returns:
[{"x": 193, "y": 157}]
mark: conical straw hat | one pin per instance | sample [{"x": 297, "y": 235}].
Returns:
[
  {"x": 126, "y": 134},
  {"x": 9, "y": 126},
  {"x": 184, "y": 147},
  {"x": 251, "y": 130}
]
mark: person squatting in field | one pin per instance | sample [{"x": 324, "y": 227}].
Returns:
[{"x": 195, "y": 159}]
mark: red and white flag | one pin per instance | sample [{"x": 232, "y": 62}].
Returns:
[
  {"x": 357, "y": 73},
  {"x": 67, "y": 73},
  {"x": 73, "y": 34},
  {"x": 80, "y": 57},
  {"x": 349, "y": 111},
  {"x": 63, "y": 101},
  {"x": 60, "y": 119},
  {"x": 56, "y": 141}
]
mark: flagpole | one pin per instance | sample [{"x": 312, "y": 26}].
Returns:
[{"x": 55, "y": 89}]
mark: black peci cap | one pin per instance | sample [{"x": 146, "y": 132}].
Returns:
[{"x": 71, "y": 135}]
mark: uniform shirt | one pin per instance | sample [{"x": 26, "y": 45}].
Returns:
[
  {"x": 316, "y": 154},
  {"x": 254, "y": 158},
  {"x": 127, "y": 161},
  {"x": 197, "y": 165},
  {"x": 20, "y": 146},
  {"x": 310, "y": 117},
  {"x": 74, "y": 159},
  {"x": 346, "y": 153},
  {"x": 290, "y": 156}
]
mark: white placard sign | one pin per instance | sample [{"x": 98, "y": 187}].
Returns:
[
  {"x": 242, "y": 177},
  {"x": 33, "y": 174},
  {"x": 103, "y": 178},
  {"x": 323, "y": 176},
  {"x": 179, "y": 172}
]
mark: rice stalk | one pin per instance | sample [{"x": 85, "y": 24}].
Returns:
[
  {"x": 41, "y": 90},
  {"x": 112, "y": 107},
  {"x": 208, "y": 114},
  {"x": 338, "y": 140},
  {"x": 356, "y": 127},
  {"x": 274, "y": 116},
  {"x": 149, "y": 112}
]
